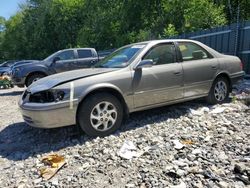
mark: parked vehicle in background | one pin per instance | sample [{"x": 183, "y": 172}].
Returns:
[
  {"x": 8, "y": 63},
  {"x": 5, "y": 66},
  {"x": 104, "y": 53},
  {"x": 7, "y": 70},
  {"x": 61, "y": 61},
  {"x": 18, "y": 63},
  {"x": 135, "y": 77}
]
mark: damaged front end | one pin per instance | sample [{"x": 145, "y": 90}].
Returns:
[
  {"x": 47, "y": 96},
  {"x": 50, "y": 108}
]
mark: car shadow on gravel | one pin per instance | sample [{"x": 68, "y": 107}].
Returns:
[
  {"x": 150, "y": 117},
  {"x": 20, "y": 141}
]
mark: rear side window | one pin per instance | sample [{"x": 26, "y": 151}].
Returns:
[
  {"x": 84, "y": 53},
  {"x": 191, "y": 51},
  {"x": 162, "y": 54}
]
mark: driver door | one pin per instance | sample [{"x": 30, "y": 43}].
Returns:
[
  {"x": 161, "y": 83},
  {"x": 64, "y": 62}
]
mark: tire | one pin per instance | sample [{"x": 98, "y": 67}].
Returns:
[
  {"x": 102, "y": 123},
  {"x": 219, "y": 91},
  {"x": 33, "y": 78}
]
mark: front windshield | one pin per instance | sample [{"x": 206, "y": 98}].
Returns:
[
  {"x": 49, "y": 58},
  {"x": 120, "y": 58}
]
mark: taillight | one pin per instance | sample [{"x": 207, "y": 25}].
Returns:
[{"x": 241, "y": 65}]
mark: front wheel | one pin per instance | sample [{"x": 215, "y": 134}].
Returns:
[
  {"x": 33, "y": 78},
  {"x": 100, "y": 114},
  {"x": 219, "y": 91}
]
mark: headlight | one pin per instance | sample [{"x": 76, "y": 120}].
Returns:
[
  {"x": 52, "y": 95},
  {"x": 15, "y": 70},
  {"x": 59, "y": 95}
]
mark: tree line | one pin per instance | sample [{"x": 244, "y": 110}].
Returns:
[{"x": 41, "y": 27}]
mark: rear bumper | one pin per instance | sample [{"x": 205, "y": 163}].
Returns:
[{"x": 236, "y": 77}]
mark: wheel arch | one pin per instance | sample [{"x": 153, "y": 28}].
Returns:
[
  {"x": 107, "y": 88},
  {"x": 225, "y": 75},
  {"x": 33, "y": 73}
]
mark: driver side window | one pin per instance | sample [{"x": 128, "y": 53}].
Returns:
[
  {"x": 67, "y": 55},
  {"x": 162, "y": 54}
]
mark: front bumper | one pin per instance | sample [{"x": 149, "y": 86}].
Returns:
[
  {"x": 19, "y": 81},
  {"x": 17, "y": 78},
  {"x": 48, "y": 115}
]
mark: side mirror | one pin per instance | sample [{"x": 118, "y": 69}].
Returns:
[
  {"x": 145, "y": 63},
  {"x": 56, "y": 59}
]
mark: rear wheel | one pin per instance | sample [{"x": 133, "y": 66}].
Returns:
[
  {"x": 100, "y": 114},
  {"x": 219, "y": 91},
  {"x": 34, "y": 77}
]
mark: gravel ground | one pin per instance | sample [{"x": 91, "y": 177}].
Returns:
[{"x": 185, "y": 145}]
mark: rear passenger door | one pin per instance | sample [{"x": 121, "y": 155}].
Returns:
[
  {"x": 86, "y": 58},
  {"x": 199, "y": 68}
]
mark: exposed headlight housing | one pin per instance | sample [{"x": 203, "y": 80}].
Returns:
[
  {"x": 59, "y": 95},
  {"x": 49, "y": 96}
]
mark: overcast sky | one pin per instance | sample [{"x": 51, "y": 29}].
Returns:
[{"x": 9, "y": 7}]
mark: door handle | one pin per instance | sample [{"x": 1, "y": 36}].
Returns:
[
  {"x": 214, "y": 67},
  {"x": 177, "y": 73}
]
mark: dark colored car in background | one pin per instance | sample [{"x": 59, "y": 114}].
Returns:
[
  {"x": 61, "y": 61},
  {"x": 8, "y": 63},
  {"x": 5, "y": 66},
  {"x": 6, "y": 70}
]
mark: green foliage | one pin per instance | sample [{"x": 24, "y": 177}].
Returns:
[
  {"x": 2, "y": 27},
  {"x": 170, "y": 31},
  {"x": 235, "y": 8},
  {"x": 203, "y": 14},
  {"x": 45, "y": 26}
]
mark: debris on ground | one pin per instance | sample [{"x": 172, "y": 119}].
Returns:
[
  {"x": 178, "y": 145},
  {"x": 218, "y": 110},
  {"x": 55, "y": 163},
  {"x": 128, "y": 150},
  {"x": 181, "y": 185},
  {"x": 187, "y": 142}
]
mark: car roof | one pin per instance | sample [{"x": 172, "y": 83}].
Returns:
[
  {"x": 166, "y": 40},
  {"x": 161, "y": 41},
  {"x": 76, "y": 49}
]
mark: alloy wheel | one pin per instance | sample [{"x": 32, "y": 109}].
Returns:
[
  {"x": 103, "y": 116},
  {"x": 220, "y": 90}
]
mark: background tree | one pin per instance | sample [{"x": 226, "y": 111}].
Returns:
[
  {"x": 42, "y": 27},
  {"x": 2, "y": 28},
  {"x": 231, "y": 8}
]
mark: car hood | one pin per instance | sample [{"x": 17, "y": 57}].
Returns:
[
  {"x": 61, "y": 78},
  {"x": 23, "y": 62},
  {"x": 26, "y": 63}
]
